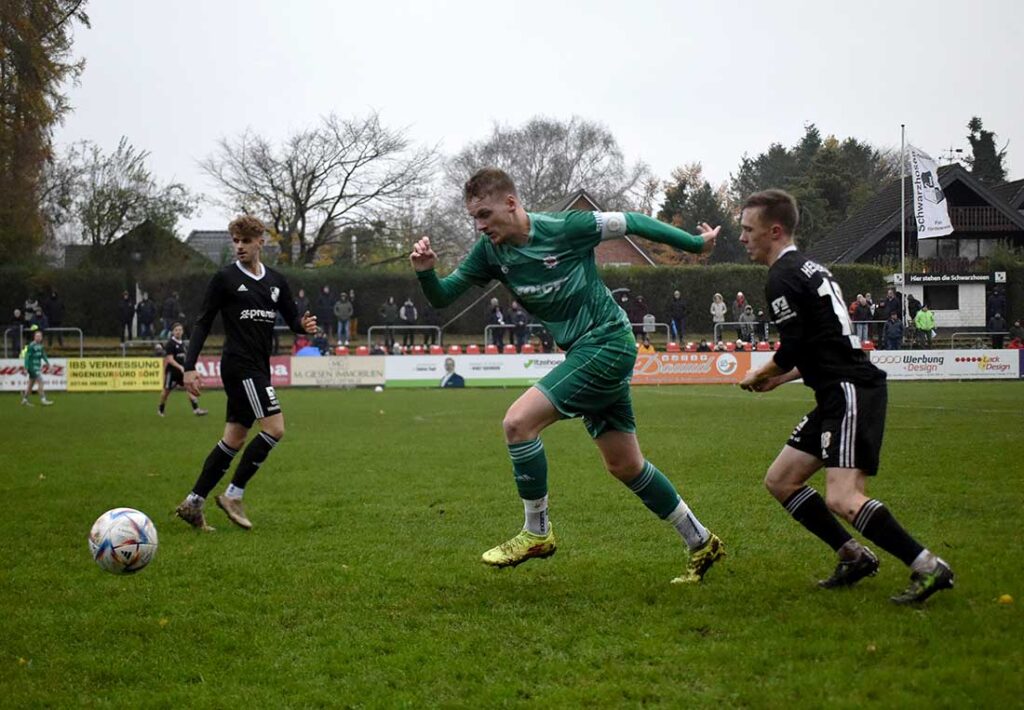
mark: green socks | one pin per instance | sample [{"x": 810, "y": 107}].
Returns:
[{"x": 530, "y": 467}]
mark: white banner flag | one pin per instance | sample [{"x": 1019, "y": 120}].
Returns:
[{"x": 930, "y": 207}]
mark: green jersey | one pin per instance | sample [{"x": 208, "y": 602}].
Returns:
[
  {"x": 34, "y": 356},
  {"x": 554, "y": 275}
]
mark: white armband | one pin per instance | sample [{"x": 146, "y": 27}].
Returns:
[{"x": 611, "y": 224}]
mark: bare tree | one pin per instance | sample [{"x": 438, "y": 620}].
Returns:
[
  {"x": 97, "y": 197},
  {"x": 550, "y": 159},
  {"x": 320, "y": 181}
]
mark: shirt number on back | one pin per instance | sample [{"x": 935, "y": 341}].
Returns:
[{"x": 830, "y": 289}]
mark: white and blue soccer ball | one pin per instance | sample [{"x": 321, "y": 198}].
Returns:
[{"x": 123, "y": 540}]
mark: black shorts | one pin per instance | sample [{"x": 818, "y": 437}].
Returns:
[
  {"x": 173, "y": 377},
  {"x": 845, "y": 430},
  {"x": 250, "y": 396}
]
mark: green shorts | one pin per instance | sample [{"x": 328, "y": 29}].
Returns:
[{"x": 593, "y": 381}]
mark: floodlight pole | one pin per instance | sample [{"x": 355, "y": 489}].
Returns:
[{"x": 903, "y": 219}]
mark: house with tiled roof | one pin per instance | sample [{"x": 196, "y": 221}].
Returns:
[
  {"x": 627, "y": 251},
  {"x": 215, "y": 245},
  {"x": 951, "y": 274},
  {"x": 1012, "y": 193}
]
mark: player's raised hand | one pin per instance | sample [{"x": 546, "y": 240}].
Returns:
[
  {"x": 422, "y": 257},
  {"x": 193, "y": 383},
  {"x": 309, "y": 323},
  {"x": 709, "y": 236}
]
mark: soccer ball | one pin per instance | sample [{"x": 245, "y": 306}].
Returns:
[{"x": 123, "y": 540}]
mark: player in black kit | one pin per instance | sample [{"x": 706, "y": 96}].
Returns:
[
  {"x": 174, "y": 371},
  {"x": 844, "y": 431},
  {"x": 248, "y": 296}
]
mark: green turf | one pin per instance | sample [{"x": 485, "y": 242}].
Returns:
[{"x": 361, "y": 585}]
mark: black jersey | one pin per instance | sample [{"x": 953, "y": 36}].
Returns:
[
  {"x": 248, "y": 306},
  {"x": 176, "y": 349},
  {"x": 814, "y": 325}
]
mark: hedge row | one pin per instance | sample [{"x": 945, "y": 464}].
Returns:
[{"x": 91, "y": 295}]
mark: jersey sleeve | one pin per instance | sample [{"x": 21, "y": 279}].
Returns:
[
  {"x": 212, "y": 303},
  {"x": 287, "y": 308},
  {"x": 473, "y": 271},
  {"x": 658, "y": 231},
  {"x": 784, "y": 303},
  {"x": 583, "y": 230}
]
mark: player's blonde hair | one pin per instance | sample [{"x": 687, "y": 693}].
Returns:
[
  {"x": 246, "y": 226},
  {"x": 486, "y": 182}
]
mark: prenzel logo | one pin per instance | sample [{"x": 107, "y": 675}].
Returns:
[{"x": 726, "y": 364}]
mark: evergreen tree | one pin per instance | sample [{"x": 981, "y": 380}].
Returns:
[
  {"x": 986, "y": 162},
  {"x": 830, "y": 179},
  {"x": 690, "y": 200}
]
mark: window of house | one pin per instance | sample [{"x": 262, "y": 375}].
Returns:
[
  {"x": 942, "y": 298},
  {"x": 987, "y": 246},
  {"x": 947, "y": 248},
  {"x": 969, "y": 248},
  {"x": 927, "y": 248}
]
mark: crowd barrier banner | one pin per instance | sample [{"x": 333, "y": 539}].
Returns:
[
  {"x": 208, "y": 367},
  {"x": 690, "y": 368},
  {"x": 475, "y": 370},
  {"x": 948, "y": 364},
  {"x": 14, "y": 376},
  {"x": 338, "y": 371},
  {"x": 94, "y": 374}
]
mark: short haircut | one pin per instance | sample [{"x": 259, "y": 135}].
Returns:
[
  {"x": 246, "y": 226},
  {"x": 176, "y": 324},
  {"x": 486, "y": 182},
  {"x": 777, "y": 207}
]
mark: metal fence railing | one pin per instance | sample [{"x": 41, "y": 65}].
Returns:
[
  {"x": 976, "y": 335},
  {"x": 22, "y": 331},
  {"x": 141, "y": 343},
  {"x": 397, "y": 330},
  {"x": 489, "y": 330},
  {"x": 761, "y": 330}
]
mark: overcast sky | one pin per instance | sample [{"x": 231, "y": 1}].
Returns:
[{"x": 675, "y": 82}]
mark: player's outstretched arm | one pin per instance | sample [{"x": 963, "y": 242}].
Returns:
[
  {"x": 442, "y": 292},
  {"x": 657, "y": 231}
]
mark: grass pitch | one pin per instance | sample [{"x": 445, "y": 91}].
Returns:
[{"x": 361, "y": 585}]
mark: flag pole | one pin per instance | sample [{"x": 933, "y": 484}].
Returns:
[{"x": 903, "y": 219}]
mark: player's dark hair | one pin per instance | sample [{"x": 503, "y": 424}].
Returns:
[
  {"x": 246, "y": 226},
  {"x": 486, "y": 182},
  {"x": 777, "y": 207},
  {"x": 176, "y": 324}
]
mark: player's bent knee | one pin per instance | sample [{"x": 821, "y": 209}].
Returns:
[
  {"x": 517, "y": 428},
  {"x": 840, "y": 503},
  {"x": 276, "y": 432},
  {"x": 624, "y": 469},
  {"x": 778, "y": 485}
]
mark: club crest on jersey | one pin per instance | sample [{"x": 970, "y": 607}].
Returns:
[
  {"x": 550, "y": 262},
  {"x": 274, "y": 293},
  {"x": 242, "y": 288},
  {"x": 781, "y": 310}
]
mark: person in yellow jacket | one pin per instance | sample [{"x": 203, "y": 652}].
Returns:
[{"x": 924, "y": 321}]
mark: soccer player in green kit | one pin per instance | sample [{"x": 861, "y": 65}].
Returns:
[
  {"x": 547, "y": 260},
  {"x": 34, "y": 355}
]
